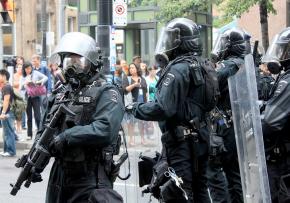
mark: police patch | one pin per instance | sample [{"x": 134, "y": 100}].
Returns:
[
  {"x": 113, "y": 96},
  {"x": 84, "y": 100},
  {"x": 281, "y": 86},
  {"x": 169, "y": 79}
]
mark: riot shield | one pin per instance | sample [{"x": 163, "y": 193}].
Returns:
[
  {"x": 143, "y": 137},
  {"x": 248, "y": 133}
]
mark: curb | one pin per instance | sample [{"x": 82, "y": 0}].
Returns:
[{"x": 19, "y": 145}]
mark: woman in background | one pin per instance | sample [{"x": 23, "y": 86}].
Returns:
[{"x": 31, "y": 77}]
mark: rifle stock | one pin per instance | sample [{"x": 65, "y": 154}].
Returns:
[{"x": 38, "y": 156}]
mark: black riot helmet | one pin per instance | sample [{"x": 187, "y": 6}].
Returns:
[
  {"x": 179, "y": 36},
  {"x": 278, "y": 53},
  {"x": 78, "y": 57},
  {"x": 232, "y": 42}
]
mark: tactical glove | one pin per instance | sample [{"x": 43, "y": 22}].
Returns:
[
  {"x": 57, "y": 145},
  {"x": 130, "y": 107}
]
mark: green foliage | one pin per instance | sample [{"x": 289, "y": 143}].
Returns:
[
  {"x": 236, "y": 8},
  {"x": 170, "y": 9},
  {"x": 221, "y": 21}
]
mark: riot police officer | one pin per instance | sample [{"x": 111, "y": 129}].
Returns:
[
  {"x": 229, "y": 52},
  {"x": 85, "y": 143},
  {"x": 180, "y": 109},
  {"x": 276, "y": 118}
]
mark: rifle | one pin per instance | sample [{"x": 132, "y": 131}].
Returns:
[{"x": 38, "y": 156}]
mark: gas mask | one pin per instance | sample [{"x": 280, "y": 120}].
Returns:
[{"x": 76, "y": 70}]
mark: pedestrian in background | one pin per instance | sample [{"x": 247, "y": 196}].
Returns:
[
  {"x": 137, "y": 60},
  {"x": 48, "y": 84},
  {"x": 7, "y": 116},
  {"x": 32, "y": 77},
  {"x": 144, "y": 70},
  {"x": 16, "y": 87},
  {"x": 137, "y": 86},
  {"x": 124, "y": 65},
  {"x": 20, "y": 61}
]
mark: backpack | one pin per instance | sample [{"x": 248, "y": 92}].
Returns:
[
  {"x": 212, "y": 92},
  {"x": 18, "y": 105}
]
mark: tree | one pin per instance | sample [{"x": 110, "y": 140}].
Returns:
[
  {"x": 237, "y": 8},
  {"x": 170, "y": 9}
]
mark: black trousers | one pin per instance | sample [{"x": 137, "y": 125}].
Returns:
[
  {"x": 65, "y": 187},
  {"x": 276, "y": 172},
  {"x": 33, "y": 103},
  {"x": 224, "y": 177},
  {"x": 180, "y": 158}
]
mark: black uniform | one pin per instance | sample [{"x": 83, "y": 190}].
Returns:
[
  {"x": 276, "y": 131},
  {"x": 90, "y": 136},
  {"x": 264, "y": 86},
  {"x": 179, "y": 100},
  {"x": 227, "y": 187}
]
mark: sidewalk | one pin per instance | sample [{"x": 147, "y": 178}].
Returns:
[{"x": 20, "y": 145}]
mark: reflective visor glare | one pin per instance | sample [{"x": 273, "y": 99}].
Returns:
[{"x": 76, "y": 61}]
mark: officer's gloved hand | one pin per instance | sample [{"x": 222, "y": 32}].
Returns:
[
  {"x": 57, "y": 145},
  {"x": 130, "y": 107}
]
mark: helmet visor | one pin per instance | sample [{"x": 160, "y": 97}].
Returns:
[
  {"x": 219, "y": 45},
  {"x": 169, "y": 39},
  {"x": 75, "y": 63},
  {"x": 278, "y": 51}
]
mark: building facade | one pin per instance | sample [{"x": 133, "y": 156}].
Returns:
[
  {"x": 140, "y": 35},
  {"x": 23, "y": 37},
  {"x": 250, "y": 21}
]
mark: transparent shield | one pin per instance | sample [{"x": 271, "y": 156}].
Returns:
[
  {"x": 248, "y": 132},
  {"x": 142, "y": 137}
]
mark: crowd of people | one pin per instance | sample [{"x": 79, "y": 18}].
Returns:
[
  {"x": 190, "y": 99},
  {"x": 137, "y": 79},
  {"x": 138, "y": 83},
  {"x": 29, "y": 78}
]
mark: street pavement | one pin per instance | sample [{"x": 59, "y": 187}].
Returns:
[{"x": 129, "y": 189}]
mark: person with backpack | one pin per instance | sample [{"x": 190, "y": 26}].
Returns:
[
  {"x": 185, "y": 93},
  {"x": 223, "y": 171},
  {"x": 7, "y": 117}
]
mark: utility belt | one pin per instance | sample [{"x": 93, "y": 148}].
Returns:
[
  {"x": 182, "y": 133},
  {"x": 191, "y": 135},
  {"x": 79, "y": 162}
]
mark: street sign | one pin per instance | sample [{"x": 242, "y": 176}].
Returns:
[{"x": 120, "y": 12}]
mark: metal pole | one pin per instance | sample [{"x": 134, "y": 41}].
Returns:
[
  {"x": 44, "y": 29},
  {"x": 104, "y": 31},
  {"x": 61, "y": 17}
]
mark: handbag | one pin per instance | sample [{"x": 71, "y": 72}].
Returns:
[{"x": 35, "y": 90}]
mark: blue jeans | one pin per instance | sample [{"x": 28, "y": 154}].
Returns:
[
  {"x": 9, "y": 134},
  {"x": 23, "y": 120}
]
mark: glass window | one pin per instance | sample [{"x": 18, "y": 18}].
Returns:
[
  {"x": 93, "y": 5},
  {"x": 73, "y": 3},
  {"x": 7, "y": 40}
]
